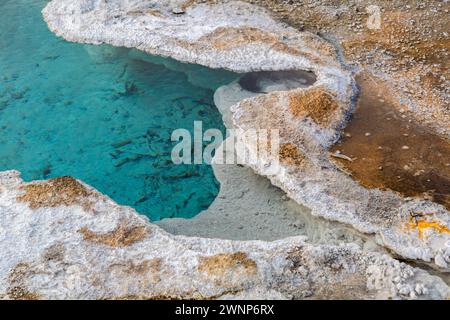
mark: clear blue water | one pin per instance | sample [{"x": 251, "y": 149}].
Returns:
[{"x": 101, "y": 114}]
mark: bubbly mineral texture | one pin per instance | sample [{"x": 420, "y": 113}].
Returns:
[
  {"x": 108, "y": 251},
  {"x": 406, "y": 42}
]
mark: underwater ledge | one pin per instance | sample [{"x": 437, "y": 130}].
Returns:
[{"x": 117, "y": 234}]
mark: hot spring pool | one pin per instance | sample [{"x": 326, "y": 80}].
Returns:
[{"x": 102, "y": 115}]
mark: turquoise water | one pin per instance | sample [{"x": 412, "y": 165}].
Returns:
[{"x": 103, "y": 115}]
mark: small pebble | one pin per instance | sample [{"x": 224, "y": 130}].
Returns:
[{"x": 405, "y": 147}]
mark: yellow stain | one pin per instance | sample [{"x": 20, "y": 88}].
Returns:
[{"x": 422, "y": 225}]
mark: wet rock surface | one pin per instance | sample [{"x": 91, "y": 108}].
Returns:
[{"x": 244, "y": 38}]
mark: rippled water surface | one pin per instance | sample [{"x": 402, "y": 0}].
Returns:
[{"x": 103, "y": 115}]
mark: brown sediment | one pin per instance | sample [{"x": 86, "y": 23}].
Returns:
[
  {"x": 54, "y": 252},
  {"x": 391, "y": 151},
  {"x": 316, "y": 103},
  {"x": 187, "y": 4},
  {"x": 122, "y": 236},
  {"x": 55, "y": 192},
  {"x": 17, "y": 278},
  {"x": 220, "y": 263}
]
